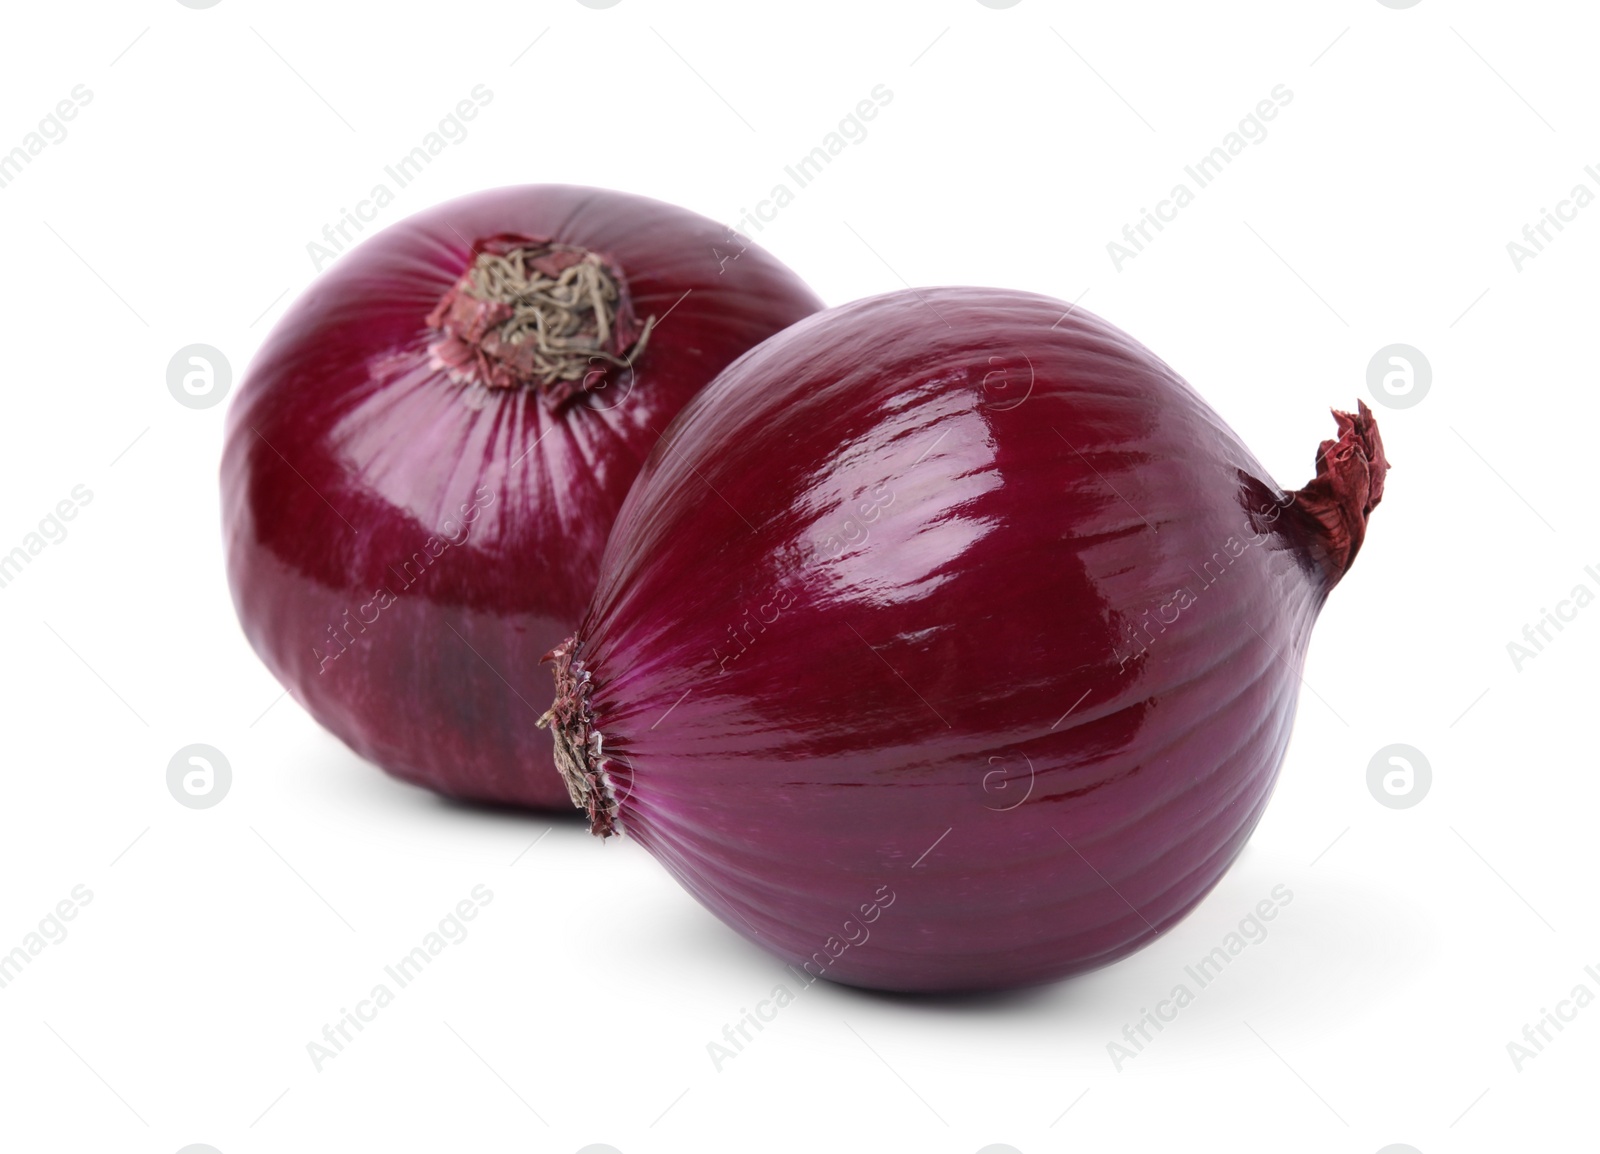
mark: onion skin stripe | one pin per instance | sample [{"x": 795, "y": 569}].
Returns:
[
  {"x": 1141, "y": 917},
  {"x": 673, "y": 837},
  {"x": 661, "y": 817}
]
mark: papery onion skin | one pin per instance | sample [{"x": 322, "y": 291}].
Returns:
[
  {"x": 403, "y": 545},
  {"x": 886, "y": 663}
]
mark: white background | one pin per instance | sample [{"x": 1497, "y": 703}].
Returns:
[{"x": 1018, "y": 143}]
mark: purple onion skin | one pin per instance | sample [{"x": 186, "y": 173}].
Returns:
[
  {"x": 872, "y": 625},
  {"x": 348, "y": 452}
]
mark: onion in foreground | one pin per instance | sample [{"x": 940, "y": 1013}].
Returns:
[
  {"x": 949, "y": 641},
  {"x": 427, "y": 455}
]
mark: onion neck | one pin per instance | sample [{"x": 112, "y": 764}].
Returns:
[
  {"x": 577, "y": 742},
  {"x": 1332, "y": 511},
  {"x": 532, "y": 314}
]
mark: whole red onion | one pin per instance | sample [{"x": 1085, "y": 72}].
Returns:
[
  {"x": 949, "y": 641},
  {"x": 427, "y": 455}
]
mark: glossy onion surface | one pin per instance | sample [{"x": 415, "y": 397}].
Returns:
[
  {"x": 950, "y": 641},
  {"x": 404, "y": 547}
]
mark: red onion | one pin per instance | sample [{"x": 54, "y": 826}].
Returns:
[
  {"x": 949, "y": 641},
  {"x": 425, "y": 460}
]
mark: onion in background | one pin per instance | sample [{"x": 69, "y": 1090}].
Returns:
[{"x": 426, "y": 457}]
